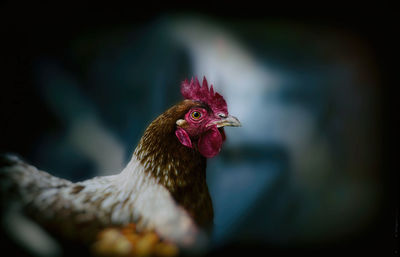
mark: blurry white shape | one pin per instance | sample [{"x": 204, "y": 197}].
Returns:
[
  {"x": 98, "y": 144},
  {"x": 29, "y": 234},
  {"x": 245, "y": 84},
  {"x": 233, "y": 71},
  {"x": 86, "y": 131}
]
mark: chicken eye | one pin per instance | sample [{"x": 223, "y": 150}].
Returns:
[{"x": 196, "y": 115}]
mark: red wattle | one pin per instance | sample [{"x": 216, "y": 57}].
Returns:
[{"x": 210, "y": 143}]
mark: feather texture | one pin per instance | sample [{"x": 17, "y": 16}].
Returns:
[
  {"x": 80, "y": 209},
  {"x": 149, "y": 191},
  {"x": 163, "y": 187}
]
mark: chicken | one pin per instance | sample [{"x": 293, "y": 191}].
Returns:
[{"x": 163, "y": 187}]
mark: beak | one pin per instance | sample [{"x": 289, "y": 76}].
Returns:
[{"x": 230, "y": 121}]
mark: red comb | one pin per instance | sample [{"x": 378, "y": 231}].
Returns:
[{"x": 194, "y": 91}]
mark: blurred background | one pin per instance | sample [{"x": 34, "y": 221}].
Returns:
[{"x": 304, "y": 173}]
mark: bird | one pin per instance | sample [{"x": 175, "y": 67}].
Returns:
[{"x": 162, "y": 188}]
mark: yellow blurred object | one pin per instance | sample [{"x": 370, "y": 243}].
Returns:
[
  {"x": 111, "y": 242},
  {"x": 126, "y": 241},
  {"x": 145, "y": 245},
  {"x": 166, "y": 250}
]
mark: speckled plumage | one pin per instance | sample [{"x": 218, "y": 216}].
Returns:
[
  {"x": 145, "y": 192},
  {"x": 162, "y": 188}
]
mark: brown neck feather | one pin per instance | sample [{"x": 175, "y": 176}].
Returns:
[{"x": 180, "y": 169}]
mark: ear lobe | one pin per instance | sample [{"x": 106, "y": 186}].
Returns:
[{"x": 183, "y": 137}]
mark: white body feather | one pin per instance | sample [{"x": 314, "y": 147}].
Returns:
[{"x": 131, "y": 196}]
